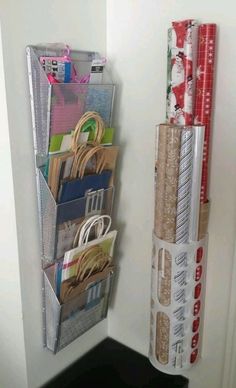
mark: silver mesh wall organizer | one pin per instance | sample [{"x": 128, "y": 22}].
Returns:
[{"x": 54, "y": 105}]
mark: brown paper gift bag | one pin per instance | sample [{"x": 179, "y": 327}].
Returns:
[{"x": 71, "y": 289}]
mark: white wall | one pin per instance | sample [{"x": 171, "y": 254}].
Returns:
[
  {"x": 136, "y": 45},
  {"x": 11, "y": 323},
  {"x": 82, "y": 24}
]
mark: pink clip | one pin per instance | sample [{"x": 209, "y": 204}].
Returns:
[{"x": 52, "y": 79}]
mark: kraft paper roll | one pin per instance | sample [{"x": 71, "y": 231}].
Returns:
[
  {"x": 162, "y": 337},
  {"x": 167, "y": 166},
  {"x": 203, "y": 219},
  {"x": 160, "y": 171},
  {"x": 166, "y": 201},
  {"x": 171, "y": 183}
]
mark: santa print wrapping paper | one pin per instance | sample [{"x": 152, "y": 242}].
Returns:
[
  {"x": 204, "y": 90},
  {"x": 183, "y": 63}
]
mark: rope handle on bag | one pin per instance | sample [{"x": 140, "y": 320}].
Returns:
[
  {"x": 93, "y": 250},
  {"x": 84, "y": 230},
  {"x": 77, "y": 156},
  {"x": 94, "y": 260},
  {"x": 99, "y": 224},
  {"x": 98, "y": 152},
  {"x": 91, "y": 261},
  {"x": 93, "y": 257},
  {"x": 94, "y": 263},
  {"x": 83, "y": 256},
  {"x": 105, "y": 260},
  {"x": 92, "y": 270},
  {"x": 83, "y": 155},
  {"x": 100, "y": 128},
  {"x": 84, "y": 152}
]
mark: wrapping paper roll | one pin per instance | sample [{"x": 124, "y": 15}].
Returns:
[
  {"x": 203, "y": 221},
  {"x": 160, "y": 173},
  {"x": 184, "y": 196},
  {"x": 171, "y": 183},
  {"x": 167, "y": 169},
  {"x": 204, "y": 93},
  {"x": 199, "y": 132},
  {"x": 183, "y": 54},
  {"x": 168, "y": 92},
  {"x": 162, "y": 337},
  {"x": 184, "y": 186}
]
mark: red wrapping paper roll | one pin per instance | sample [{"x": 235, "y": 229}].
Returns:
[{"x": 204, "y": 91}]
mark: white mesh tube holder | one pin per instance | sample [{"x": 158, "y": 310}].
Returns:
[{"x": 177, "y": 320}]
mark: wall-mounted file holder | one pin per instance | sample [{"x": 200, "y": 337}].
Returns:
[
  {"x": 56, "y": 218},
  {"x": 56, "y": 108},
  {"x": 177, "y": 304},
  {"x": 64, "y": 322}
]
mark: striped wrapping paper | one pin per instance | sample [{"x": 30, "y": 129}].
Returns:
[
  {"x": 187, "y": 217},
  {"x": 204, "y": 92},
  {"x": 183, "y": 63},
  {"x": 189, "y": 182},
  {"x": 184, "y": 195}
]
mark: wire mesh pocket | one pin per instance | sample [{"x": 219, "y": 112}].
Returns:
[
  {"x": 59, "y": 222},
  {"x": 65, "y": 322},
  {"x": 56, "y": 108}
]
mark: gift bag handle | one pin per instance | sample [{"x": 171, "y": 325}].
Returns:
[
  {"x": 87, "y": 263},
  {"x": 97, "y": 151},
  {"x": 92, "y": 259},
  {"x": 100, "y": 128},
  {"x": 82, "y": 156},
  {"x": 84, "y": 230}
]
